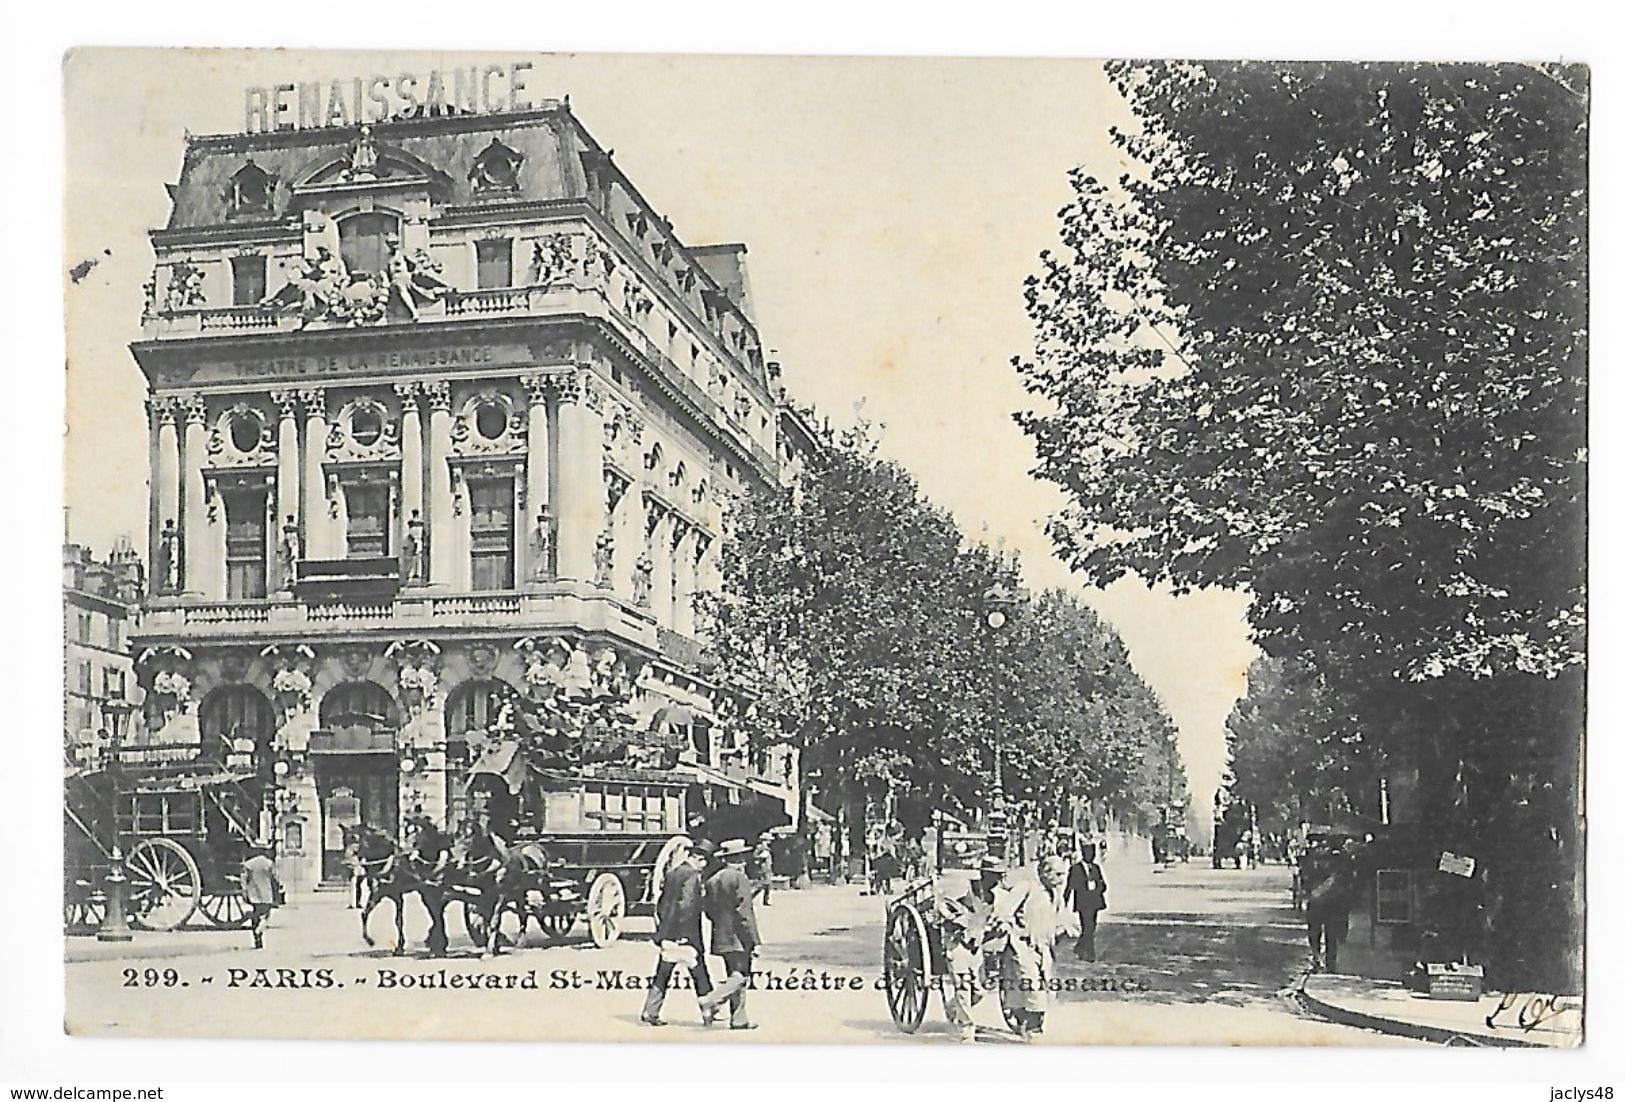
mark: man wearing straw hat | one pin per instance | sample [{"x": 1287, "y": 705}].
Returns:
[
  {"x": 733, "y": 932},
  {"x": 677, "y": 930},
  {"x": 260, "y": 888}
]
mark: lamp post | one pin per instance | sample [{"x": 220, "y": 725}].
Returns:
[
  {"x": 115, "y": 923},
  {"x": 999, "y": 601}
]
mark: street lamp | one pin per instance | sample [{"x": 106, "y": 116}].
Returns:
[
  {"x": 115, "y": 923},
  {"x": 999, "y": 601}
]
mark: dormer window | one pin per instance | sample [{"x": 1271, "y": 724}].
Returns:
[
  {"x": 252, "y": 189},
  {"x": 496, "y": 169}
]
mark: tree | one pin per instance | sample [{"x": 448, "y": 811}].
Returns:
[
  {"x": 851, "y": 622},
  {"x": 1327, "y": 343},
  {"x": 1332, "y": 342},
  {"x": 834, "y": 622},
  {"x": 1293, "y": 756}
]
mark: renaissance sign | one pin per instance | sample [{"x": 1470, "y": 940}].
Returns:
[{"x": 470, "y": 90}]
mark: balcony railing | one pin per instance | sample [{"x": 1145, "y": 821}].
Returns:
[
  {"x": 236, "y": 612},
  {"x": 489, "y": 301},
  {"x": 561, "y": 605},
  {"x": 236, "y": 318},
  {"x": 351, "y": 611},
  {"x": 495, "y": 604}
]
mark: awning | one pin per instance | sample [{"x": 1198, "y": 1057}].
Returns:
[
  {"x": 504, "y": 761},
  {"x": 779, "y": 794}
]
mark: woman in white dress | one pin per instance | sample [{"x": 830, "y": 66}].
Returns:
[{"x": 1024, "y": 910}]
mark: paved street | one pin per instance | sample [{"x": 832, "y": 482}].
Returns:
[{"x": 1208, "y": 953}]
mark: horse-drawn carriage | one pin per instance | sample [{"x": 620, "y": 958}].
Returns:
[
  {"x": 915, "y": 954},
  {"x": 177, "y": 824},
  {"x": 592, "y": 841}
]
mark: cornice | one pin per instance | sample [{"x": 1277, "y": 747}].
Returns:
[{"x": 238, "y": 233}]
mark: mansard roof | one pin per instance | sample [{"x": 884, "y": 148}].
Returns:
[{"x": 443, "y": 149}]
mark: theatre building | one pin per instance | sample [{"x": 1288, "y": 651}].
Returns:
[{"x": 437, "y": 405}]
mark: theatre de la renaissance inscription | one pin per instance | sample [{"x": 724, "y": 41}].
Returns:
[{"x": 350, "y": 363}]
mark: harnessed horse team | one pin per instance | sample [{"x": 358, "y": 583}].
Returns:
[{"x": 488, "y": 876}]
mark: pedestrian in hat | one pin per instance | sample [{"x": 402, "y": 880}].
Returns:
[
  {"x": 733, "y": 932},
  {"x": 260, "y": 888},
  {"x": 760, "y": 868},
  {"x": 1086, "y": 892},
  {"x": 677, "y": 930}
]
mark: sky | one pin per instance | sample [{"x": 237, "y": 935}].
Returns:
[{"x": 891, "y": 209}]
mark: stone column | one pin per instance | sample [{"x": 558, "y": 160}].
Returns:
[
  {"x": 683, "y": 580},
  {"x": 411, "y": 475},
  {"x": 580, "y": 509},
  {"x": 659, "y": 527},
  {"x": 536, "y": 495},
  {"x": 675, "y": 534},
  {"x": 166, "y": 481},
  {"x": 318, "y": 526},
  {"x": 195, "y": 504},
  {"x": 595, "y": 498},
  {"x": 442, "y": 545},
  {"x": 629, "y": 538},
  {"x": 706, "y": 574},
  {"x": 286, "y": 496}
]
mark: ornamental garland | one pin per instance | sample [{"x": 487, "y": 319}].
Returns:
[
  {"x": 418, "y": 679},
  {"x": 173, "y": 684},
  {"x": 292, "y": 682}
]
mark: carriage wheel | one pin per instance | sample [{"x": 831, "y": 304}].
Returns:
[
  {"x": 83, "y": 915},
  {"x": 908, "y": 967},
  {"x": 606, "y": 909},
  {"x": 164, "y": 884},
  {"x": 677, "y": 847},
  {"x": 229, "y": 911}
]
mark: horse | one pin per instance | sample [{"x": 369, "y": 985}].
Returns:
[
  {"x": 388, "y": 873},
  {"x": 477, "y": 875},
  {"x": 495, "y": 879}
]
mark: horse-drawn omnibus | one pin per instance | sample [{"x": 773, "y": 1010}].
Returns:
[
  {"x": 602, "y": 835},
  {"x": 178, "y": 824}
]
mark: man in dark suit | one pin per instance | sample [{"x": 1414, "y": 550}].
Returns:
[
  {"x": 1086, "y": 891},
  {"x": 677, "y": 929},
  {"x": 733, "y": 932}
]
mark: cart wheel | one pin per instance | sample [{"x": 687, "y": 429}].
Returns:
[
  {"x": 228, "y": 911},
  {"x": 606, "y": 909},
  {"x": 669, "y": 854},
  {"x": 164, "y": 884},
  {"x": 908, "y": 967},
  {"x": 83, "y": 915}
]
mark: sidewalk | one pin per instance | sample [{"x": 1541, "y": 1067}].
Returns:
[
  {"x": 310, "y": 919},
  {"x": 1388, "y": 1007}
]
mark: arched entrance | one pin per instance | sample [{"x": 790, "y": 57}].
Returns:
[
  {"x": 473, "y": 706},
  {"x": 234, "y": 716},
  {"x": 357, "y": 775}
]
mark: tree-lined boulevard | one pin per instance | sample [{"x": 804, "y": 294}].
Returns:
[{"x": 1188, "y": 955}]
